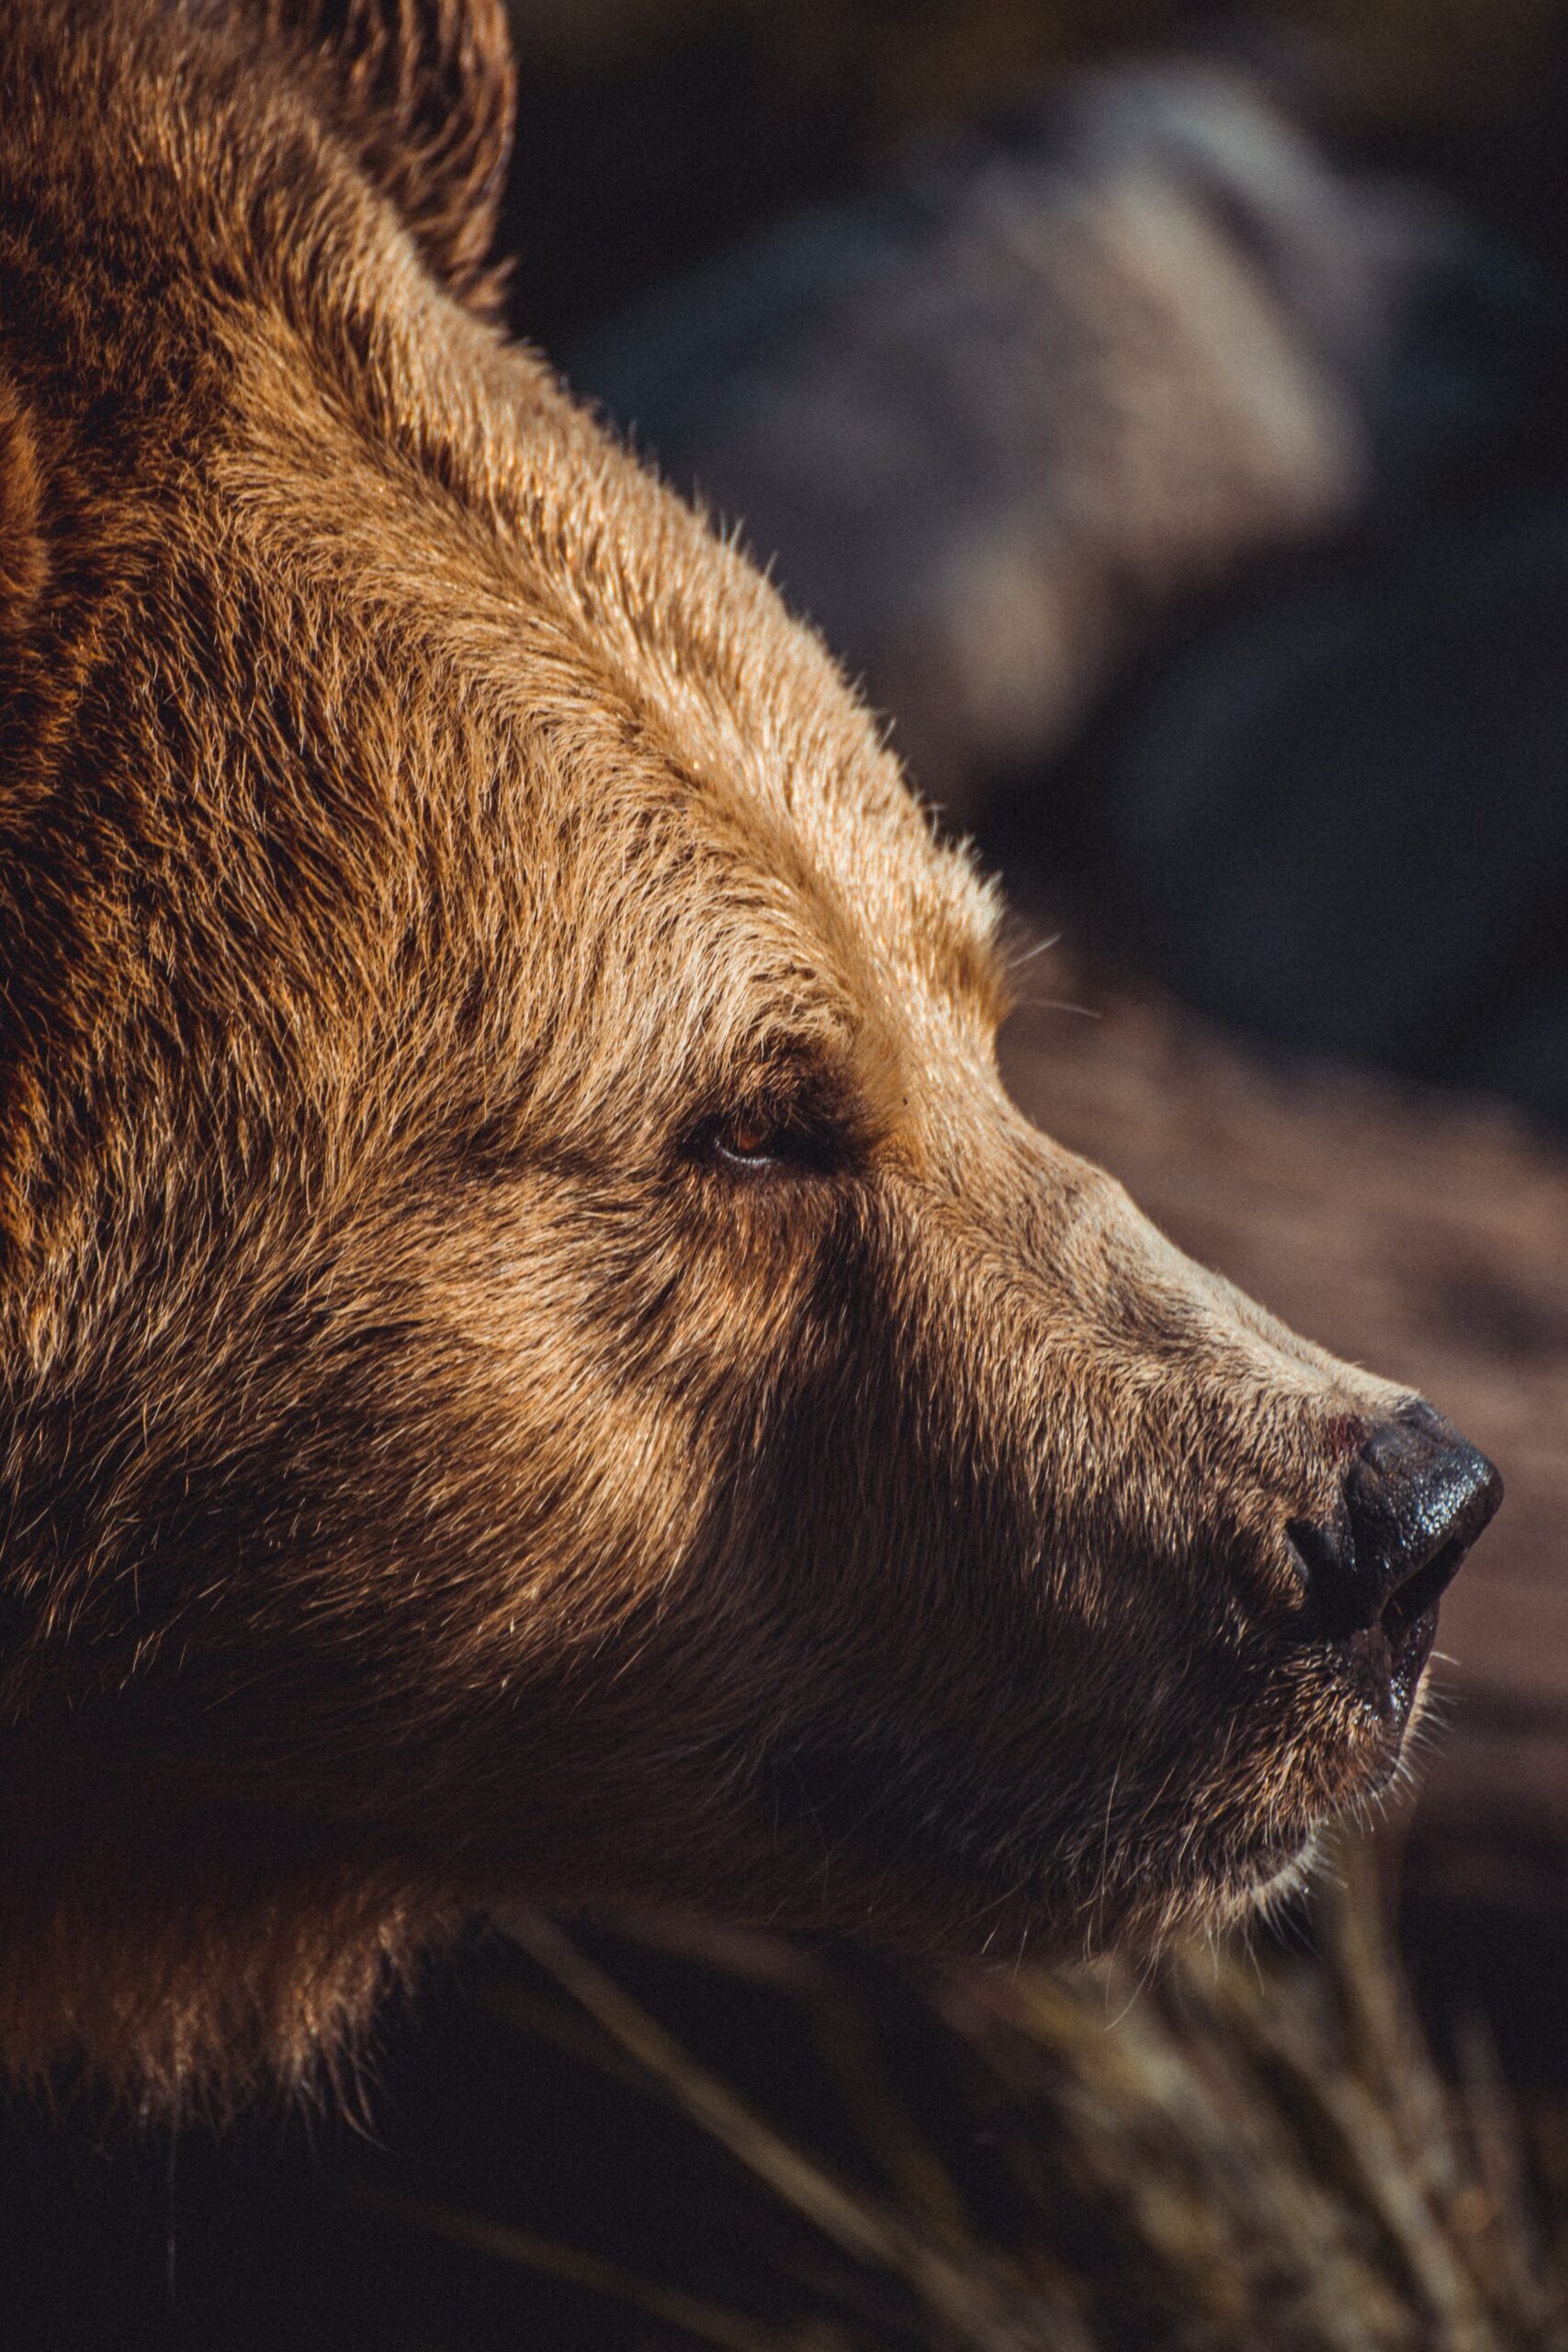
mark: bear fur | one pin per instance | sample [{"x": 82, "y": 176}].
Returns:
[{"x": 538, "y": 1358}]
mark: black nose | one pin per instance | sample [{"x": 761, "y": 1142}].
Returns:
[{"x": 1416, "y": 1499}]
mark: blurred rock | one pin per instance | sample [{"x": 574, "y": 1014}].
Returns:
[
  {"x": 991, "y": 426},
  {"x": 1339, "y": 814},
  {"x": 1194, "y": 502}
]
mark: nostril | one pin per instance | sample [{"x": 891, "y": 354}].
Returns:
[
  {"x": 1413, "y": 1501},
  {"x": 1344, "y": 1591}
]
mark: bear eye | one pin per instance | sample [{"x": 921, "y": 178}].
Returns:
[
  {"x": 753, "y": 1140},
  {"x": 764, "y": 1136}
]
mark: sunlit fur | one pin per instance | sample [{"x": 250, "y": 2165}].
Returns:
[{"x": 434, "y": 1471}]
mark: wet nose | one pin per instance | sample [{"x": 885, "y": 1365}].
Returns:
[{"x": 1414, "y": 1500}]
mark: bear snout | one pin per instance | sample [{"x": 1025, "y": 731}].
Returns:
[{"x": 1415, "y": 1499}]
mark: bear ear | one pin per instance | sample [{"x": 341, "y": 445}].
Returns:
[{"x": 426, "y": 89}]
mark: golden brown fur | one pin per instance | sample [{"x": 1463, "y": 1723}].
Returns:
[{"x": 445, "y": 1456}]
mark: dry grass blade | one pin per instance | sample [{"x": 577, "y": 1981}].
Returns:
[
  {"x": 504, "y": 2242},
  {"x": 977, "y": 2304},
  {"x": 923, "y": 2184},
  {"x": 1282, "y": 2149},
  {"x": 1244, "y": 2155},
  {"x": 1169, "y": 2131}
]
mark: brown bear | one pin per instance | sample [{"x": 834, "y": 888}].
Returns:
[{"x": 538, "y": 1359}]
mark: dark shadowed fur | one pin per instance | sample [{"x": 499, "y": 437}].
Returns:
[{"x": 537, "y": 1357}]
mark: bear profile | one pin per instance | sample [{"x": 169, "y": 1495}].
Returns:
[{"x": 538, "y": 1358}]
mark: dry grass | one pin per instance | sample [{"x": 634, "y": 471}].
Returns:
[{"x": 1253, "y": 2151}]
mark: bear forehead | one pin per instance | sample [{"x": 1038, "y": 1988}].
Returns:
[
  {"x": 504, "y": 596},
  {"x": 382, "y": 586}
]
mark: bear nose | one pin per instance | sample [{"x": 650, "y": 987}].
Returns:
[{"x": 1416, "y": 1499}]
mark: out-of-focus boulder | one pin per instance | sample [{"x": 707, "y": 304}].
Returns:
[
  {"x": 1195, "y": 504},
  {"x": 990, "y": 426},
  {"x": 1338, "y": 814}
]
